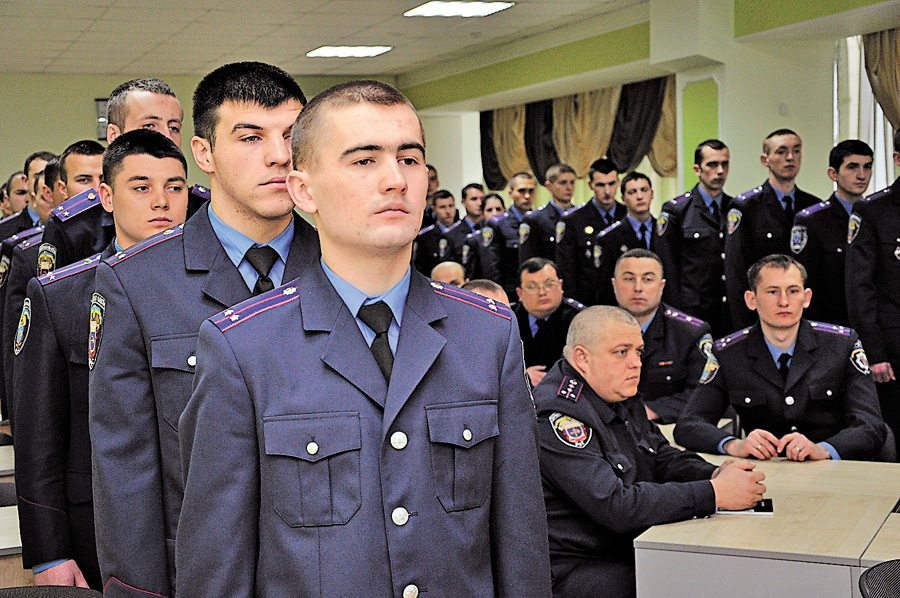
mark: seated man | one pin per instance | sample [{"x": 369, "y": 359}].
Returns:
[
  {"x": 543, "y": 314},
  {"x": 675, "y": 344},
  {"x": 608, "y": 473},
  {"x": 802, "y": 389},
  {"x": 449, "y": 273}
]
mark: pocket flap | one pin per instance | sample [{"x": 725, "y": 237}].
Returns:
[
  {"x": 462, "y": 424},
  {"x": 312, "y": 437},
  {"x": 174, "y": 352}
]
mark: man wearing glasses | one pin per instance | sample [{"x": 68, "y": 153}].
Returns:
[{"x": 543, "y": 314}]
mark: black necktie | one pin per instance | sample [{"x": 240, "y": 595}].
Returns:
[
  {"x": 643, "y": 235},
  {"x": 607, "y": 219},
  {"x": 789, "y": 206},
  {"x": 377, "y": 316},
  {"x": 262, "y": 259},
  {"x": 783, "y": 368},
  {"x": 715, "y": 211}
]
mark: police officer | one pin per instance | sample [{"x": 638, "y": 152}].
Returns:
[
  {"x": 491, "y": 205},
  {"x": 540, "y": 228},
  {"x": 500, "y": 236},
  {"x": 608, "y": 473},
  {"x": 635, "y": 231},
  {"x": 24, "y": 217},
  {"x": 331, "y": 467},
  {"x": 152, "y": 297},
  {"x": 802, "y": 389},
  {"x": 456, "y": 235},
  {"x": 873, "y": 287},
  {"x": 760, "y": 220},
  {"x": 576, "y": 252},
  {"x": 53, "y": 456},
  {"x": 430, "y": 247},
  {"x": 819, "y": 236},
  {"x": 691, "y": 241},
  {"x": 675, "y": 344}
]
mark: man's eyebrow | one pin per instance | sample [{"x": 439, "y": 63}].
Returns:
[
  {"x": 362, "y": 148},
  {"x": 246, "y": 126},
  {"x": 412, "y": 145},
  {"x": 139, "y": 177},
  {"x": 180, "y": 179}
]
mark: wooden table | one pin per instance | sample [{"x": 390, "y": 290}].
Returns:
[
  {"x": 7, "y": 464},
  {"x": 11, "y": 572},
  {"x": 827, "y": 527}
]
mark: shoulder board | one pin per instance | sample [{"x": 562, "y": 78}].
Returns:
[
  {"x": 70, "y": 270},
  {"x": 473, "y": 299},
  {"x": 200, "y": 191},
  {"x": 76, "y": 205},
  {"x": 31, "y": 241},
  {"x": 831, "y": 328},
  {"x": 121, "y": 256},
  {"x": 10, "y": 217},
  {"x": 573, "y": 303},
  {"x": 453, "y": 226},
  {"x": 680, "y": 199},
  {"x": 499, "y": 218},
  {"x": 879, "y": 194},
  {"x": 748, "y": 194},
  {"x": 570, "y": 388},
  {"x": 472, "y": 235},
  {"x": 427, "y": 229},
  {"x": 246, "y": 310},
  {"x": 611, "y": 228},
  {"x": 816, "y": 208},
  {"x": 734, "y": 337},
  {"x": 674, "y": 314},
  {"x": 25, "y": 234}
]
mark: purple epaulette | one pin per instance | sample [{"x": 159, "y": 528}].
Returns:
[
  {"x": 31, "y": 241},
  {"x": 674, "y": 314},
  {"x": 734, "y": 337},
  {"x": 473, "y": 299},
  {"x": 169, "y": 233},
  {"x": 832, "y": 328},
  {"x": 611, "y": 228},
  {"x": 813, "y": 209},
  {"x": 254, "y": 306},
  {"x": 570, "y": 388},
  {"x": 680, "y": 199},
  {"x": 879, "y": 194},
  {"x": 70, "y": 270},
  {"x": 748, "y": 194},
  {"x": 18, "y": 237},
  {"x": 573, "y": 303},
  {"x": 200, "y": 191},
  {"x": 76, "y": 205}
]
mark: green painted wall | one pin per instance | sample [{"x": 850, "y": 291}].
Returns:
[
  {"x": 614, "y": 48},
  {"x": 754, "y": 16},
  {"x": 700, "y": 121}
]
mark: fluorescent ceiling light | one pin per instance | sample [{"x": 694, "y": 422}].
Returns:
[
  {"x": 348, "y": 51},
  {"x": 457, "y": 9}
]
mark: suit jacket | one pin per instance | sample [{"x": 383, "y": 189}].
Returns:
[
  {"x": 690, "y": 241},
  {"x": 545, "y": 347},
  {"x": 307, "y": 475},
  {"x": 829, "y": 395},
  {"x": 575, "y": 249},
  {"x": 819, "y": 240},
  {"x": 675, "y": 350},
  {"x": 155, "y": 295},
  {"x": 757, "y": 226},
  {"x": 613, "y": 241},
  {"x": 428, "y": 249},
  {"x": 500, "y": 251},
  {"x": 53, "y": 449},
  {"x": 538, "y": 232},
  {"x": 456, "y": 237}
]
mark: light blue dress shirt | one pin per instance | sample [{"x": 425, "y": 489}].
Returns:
[{"x": 236, "y": 245}]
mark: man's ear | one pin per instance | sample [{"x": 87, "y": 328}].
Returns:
[
  {"x": 112, "y": 131},
  {"x": 750, "y": 300},
  {"x": 202, "y": 151},
  {"x": 298, "y": 189},
  {"x": 105, "y": 192}
]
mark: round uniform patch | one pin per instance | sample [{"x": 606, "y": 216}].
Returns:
[
  {"x": 524, "y": 231},
  {"x": 4, "y": 269},
  {"x": 853, "y": 227},
  {"x": 706, "y": 345},
  {"x": 23, "y": 328},
  {"x": 465, "y": 254},
  {"x": 98, "y": 308},
  {"x": 442, "y": 247},
  {"x": 487, "y": 236},
  {"x": 799, "y": 237},
  {"x": 859, "y": 360},
  {"x": 709, "y": 370},
  {"x": 662, "y": 223},
  {"x": 570, "y": 431},
  {"x": 46, "y": 258},
  {"x": 598, "y": 253},
  {"x": 734, "y": 220},
  {"x": 560, "y": 230}
]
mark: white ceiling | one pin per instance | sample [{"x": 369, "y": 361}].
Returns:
[{"x": 155, "y": 37}]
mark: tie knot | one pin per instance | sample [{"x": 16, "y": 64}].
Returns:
[
  {"x": 643, "y": 228},
  {"x": 262, "y": 259},
  {"x": 376, "y": 316},
  {"x": 783, "y": 359}
]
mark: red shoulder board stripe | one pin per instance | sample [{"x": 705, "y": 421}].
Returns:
[
  {"x": 70, "y": 270},
  {"x": 77, "y": 204},
  {"x": 121, "y": 256},
  {"x": 473, "y": 299},
  {"x": 231, "y": 317}
]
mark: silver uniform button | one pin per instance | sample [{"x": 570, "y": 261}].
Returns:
[
  {"x": 828, "y": 392},
  {"x": 192, "y": 360},
  {"x": 746, "y": 399},
  {"x": 788, "y": 401},
  {"x": 400, "y": 516},
  {"x": 620, "y": 466},
  {"x": 411, "y": 591},
  {"x": 793, "y": 428},
  {"x": 696, "y": 235},
  {"x": 668, "y": 378},
  {"x": 768, "y": 235},
  {"x": 721, "y": 235},
  {"x": 399, "y": 440},
  {"x": 312, "y": 448},
  {"x": 467, "y": 434}
]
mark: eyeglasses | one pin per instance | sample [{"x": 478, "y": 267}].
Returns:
[{"x": 536, "y": 288}]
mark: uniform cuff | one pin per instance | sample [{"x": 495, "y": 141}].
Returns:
[
  {"x": 721, "y": 445},
  {"x": 831, "y": 450}
]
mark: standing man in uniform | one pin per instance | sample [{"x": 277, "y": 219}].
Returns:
[
  {"x": 873, "y": 288},
  {"x": 152, "y": 297},
  {"x": 819, "y": 236},
  {"x": 147, "y": 193},
  {"x": 690, "y": 241},
  {"x": 540, "y": 228},
  {"x": 500, "y": 235},
  {"x": 333, "y": 458},
  {"x": 430, "y": 246},
  {"x": 760, "y": 220},
  {"x": 576, "y": 253},
  {"x": 457, "y": 233}
]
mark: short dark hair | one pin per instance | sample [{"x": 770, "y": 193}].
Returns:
[
  {"x": 85, "y": 147},
  {"x": 11, "y": 177},
  {"x": 634, "y": 176},
  {"x": 489, "y": 196},
  {"x": 430, "y": 167},
  {"x": 116, "y": 107},
  {"x": 641, "y": 253},
  {"x": 241, "y": 83},
  {"x": 138, "y": 142},
  {"x": 713, "y": 144},
  {"x": 532, "y": 265},
  {"x": 441, "y": 194},
  {"x": 603, "y": 166},
  {"x": 521, "y": 175},
  {"x": 43, "y": 155},
  {"x": 777, "y": 133},
  {"x": 52, "y": 173},
  {"x": 353, "y": 93},
  {"x": 775, "y": 260},
  {"x": 38, "y": 178},
  {"x": 848, "y": 147},
  {"x": 482, "y": 284},
  {"x": 556, "y": 170},
  {"x": 470, "y": 186}
]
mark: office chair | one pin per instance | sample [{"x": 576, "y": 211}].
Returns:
[{"x": 880, "y": 581}]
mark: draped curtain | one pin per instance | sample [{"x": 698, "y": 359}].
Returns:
[
  {"x": 509, "y": 140},
  {"x": 882, "y": 50},
  {"x": 636, "y": 121},
  {"x": 583, "y": 125},
  {"x": 490, "y": 166},
  {"x": 539, "y": 137},
  {"x": 663, "y": 153}
]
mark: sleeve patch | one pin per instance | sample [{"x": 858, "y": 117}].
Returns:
[
  {"x": 853, "y": 227},
  {"x": 859, "y": 360},
  {"x": 662, "y": 223},
  {"x": 706, "y": 345},
  {"x": 709, "y": 370},
  {"x": 799, "y": 237},
  {"x": 524, "y": 231},
  {"x": 23, "y": 327},
  {"x": 98, "y": 310},
  {"x": 570, "y": 431},
  {"x": 560, "y": 230},
  {"x": 734, "y": 220}
]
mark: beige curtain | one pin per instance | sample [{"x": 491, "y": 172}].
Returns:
[
  {"x": 582, "y": 126},
  {"x": 663, "y": 153},
  {"x": 882, "y": 50},
  {"x": 509, "y": 140}
]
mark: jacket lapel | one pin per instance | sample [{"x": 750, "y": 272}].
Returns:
[
  {"x": 203, "y": 252},
  {"x": 803, "y": 357},
  {"x": 762, "y": 359}
]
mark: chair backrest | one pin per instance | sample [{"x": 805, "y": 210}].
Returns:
[
  {"x": 49, "y": 592},
  {"x": 881, "y": 581}
]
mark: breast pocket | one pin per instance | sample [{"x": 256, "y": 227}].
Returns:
[
  {"x": 462, "y": 451},
  {"x": 173, "y": 359},
  {"x": 312, "y": 467}
]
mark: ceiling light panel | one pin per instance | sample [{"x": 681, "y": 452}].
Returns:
[{"x": 436, "y": 8}]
